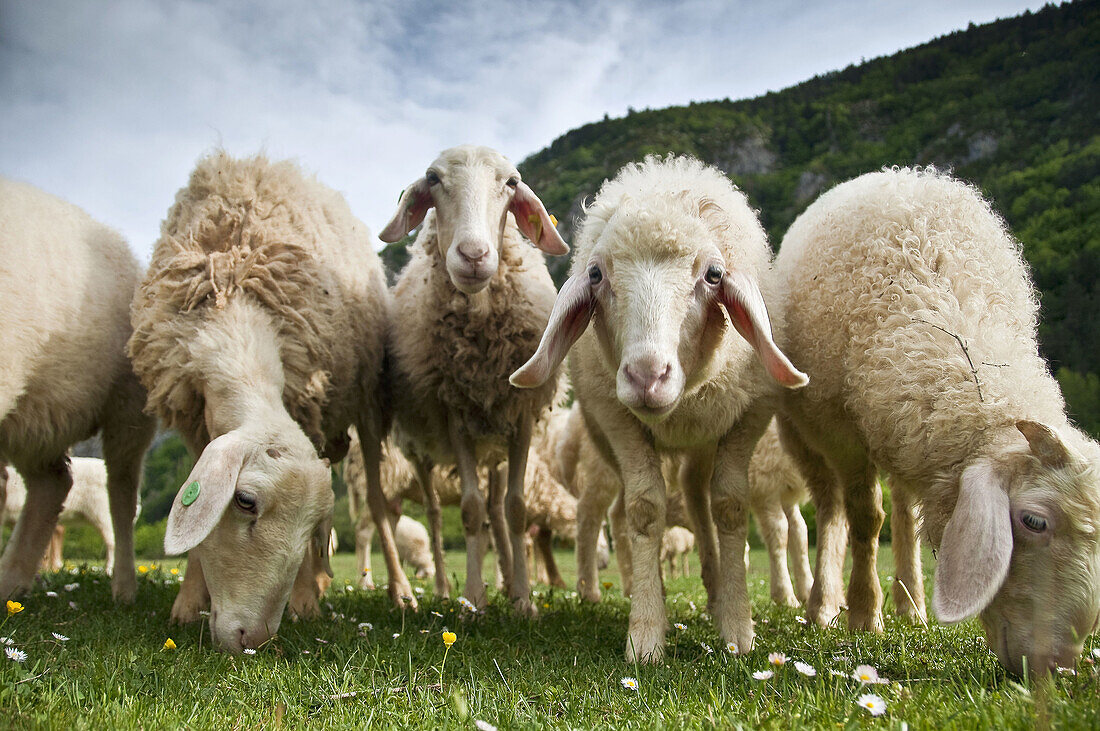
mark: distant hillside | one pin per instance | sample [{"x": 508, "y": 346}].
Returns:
[{"x": 1012, "y": 106}]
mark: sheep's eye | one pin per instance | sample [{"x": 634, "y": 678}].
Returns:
[
  {"x": 513, "y": 181},
  {"x": 432, "y": 177},
  {"x": 245, "y": 502},
  {"x": 1033, "y": 522},
  {"x": 595, "y": 276},
  {"x": 714, "y": 274}
]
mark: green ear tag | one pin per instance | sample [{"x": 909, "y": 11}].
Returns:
[{"x": 190, "y": 494}]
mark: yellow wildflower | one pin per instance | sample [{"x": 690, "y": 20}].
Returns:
[
  {"x": 143, "y": 569},
  {"x": 169, "y": 645},
  {"x": 14, "y": 607},
  {"x": 175, "y": 572},
  {"x": 449, "y": 638}
]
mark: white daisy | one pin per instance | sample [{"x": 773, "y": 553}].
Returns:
[
  {"x": 7, "y": 641},
  {"x": 867, "y": 674},
  {"x": 707, "y": 648},
  {"x": 51, "y": 594},
  {"x": 366, "y": 626},
  {"x": 763, "y": 674},
  {"x": 349, "y": 588},
  {"x": 59, "y": 638},
  {"x": 805, "y": 668},
  {"x": 800, "y": 619},
  {"x": 396, "y": 635},
  {"x": 732, "y": 647},
  {"x": 14, "y": 654},
  {"x": 680, "y": 626},
  {"x": 838, "y": 673},
  {"x": 872, "y": 703},
  {"x": 1096, "y": 652},
  {"x": 437, "y": 614},
  {"x": 484, "y": 725},
  {"x": 630, "y": 683},
  {"x": 777, "y": 658},
  {"x": 72, "y": 587}
]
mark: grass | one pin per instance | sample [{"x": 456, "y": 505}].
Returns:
[{"x": 562, "y": 670}]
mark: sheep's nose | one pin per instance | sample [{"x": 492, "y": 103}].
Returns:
[
  {"x": 473, "y": 251},
  {"x": 646, "y": 377}
]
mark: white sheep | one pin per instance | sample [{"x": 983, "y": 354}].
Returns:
[
  {"x": 67, "y": 282},
  {"x": 678, "y": 542},
  {"x": 259, "y": 331},
  {"x": 670, "y": 255},
  {"x": 414, "y": 546},
  {"x": 468, "y": 310},
  {"x": 87, "y": 500},
  {"x": 910, "y": 306}
]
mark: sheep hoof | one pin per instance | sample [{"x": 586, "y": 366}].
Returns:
[
  {"x": 402, "y": 595},
  {"x": 304, "y": 607},
  {"x": 124, "y": 589},
  {"x": 186, "y": 611},
  {"x": 865, "y": 622},
  {"x": 646, "y": 647},
  {"x": 365, "y": 582},
  {"x": 589, "y": 595},
  {"x": 785, "y": 600},
  {"x": 524, "y": 606}
]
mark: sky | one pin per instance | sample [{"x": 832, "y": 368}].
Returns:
[{"x": 109, "y": 103}]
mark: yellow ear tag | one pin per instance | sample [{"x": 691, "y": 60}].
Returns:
[
  {"x": 553, "y": 220},
  {"x": 190, "y": 494}
]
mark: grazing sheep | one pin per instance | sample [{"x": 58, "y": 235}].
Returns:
[
  {"x": 670, "y": 256},
  {"x": 67, "y": 282},
  {"x": 677, "y": 542},
  {"x": 87, "y": 500},
  {"x": 910, "y": 306},
  {"x": 468, "y": 310},
  {"x": 259, "y": 332},
  {"x": 413, "y": 546}
]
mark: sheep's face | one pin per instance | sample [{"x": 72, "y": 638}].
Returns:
[
  {"x": 259, "y": 503},
  {"x": 656, "y": 294},
  {"x": 473, "y": 189},
  {"x": 1035, "y": 551}
]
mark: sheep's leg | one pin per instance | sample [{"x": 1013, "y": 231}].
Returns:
[
  {"x": 645, "y": 512},
  {"x": 798, "y": 552},
  {"x": 305, "y": 591},
  {"x": 360, "y": 515},
  {"x": 729, "y": 497},
  {"x": 544, "y": 547},
  {"x": 620, "y": 532},
  {"x": 499, "y": 525},
  {"x": 53, "y": 560},
  {"x": 774, "y": 529},
  {"x": 46, "y": 492},
  {"x": 695, "y": 480},
  {"x": 684, "y": 558},
  {"x": 908, "y": 588},
  {"x": 863, "y": 499},
  {"x": 827, "y": 591},
  {"x": 194, "y": 596},
  {"x": 400, "y": 590},
  {"x": 591, "y": 509},
  {"x": 423, "y": 470},
  {"x": 519, "y": 588},
  {"x": 474, "y": 513}
]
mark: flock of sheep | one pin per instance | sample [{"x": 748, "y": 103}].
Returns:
[{"x": 894, "y": 331}]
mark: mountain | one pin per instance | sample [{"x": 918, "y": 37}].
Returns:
[{"x": 1012, "y": 106}]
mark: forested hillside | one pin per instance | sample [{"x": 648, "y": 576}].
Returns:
[{"x": 1012, "y": 106}]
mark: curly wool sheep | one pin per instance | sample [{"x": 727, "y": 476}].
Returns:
[
  {"x": 910, "y": 306},
  {"x": 468, "y": 310},
  {"x": 259, "y": 331},
  {"x": 67, "y": 282},
  {"x": 670, "y": 256}
]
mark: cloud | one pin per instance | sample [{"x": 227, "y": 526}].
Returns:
[{"x": 109, "y": 104}]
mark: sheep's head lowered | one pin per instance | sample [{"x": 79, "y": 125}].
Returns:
[
  {"x": 1022, "y": 548},
  {"x": 249, "y": 509},
  {"x": 668, "y": 249},
  {"x": 473, "y": 189}
]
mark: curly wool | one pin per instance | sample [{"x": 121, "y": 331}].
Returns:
[
  {"x": 263, "y": 231},
  {"x": 910, "y": 284},
  {"x": 453, "y": 352}
]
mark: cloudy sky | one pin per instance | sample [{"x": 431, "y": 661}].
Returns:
[{"x": 108, "y": 103}]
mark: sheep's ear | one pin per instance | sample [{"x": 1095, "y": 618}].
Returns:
[
  {"x": 570, "y": 316},
  {"x": 741, "y": 297},
  {"x": 411, "y": 209},
  {"x": 1045, "y": 444},
  {"x": 535, "y": 222},
  {"x": 204, "y": 496},
  {"x": 976, "y": 547}
]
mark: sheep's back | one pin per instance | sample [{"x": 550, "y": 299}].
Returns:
[{"x": 897, "y": 284}]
